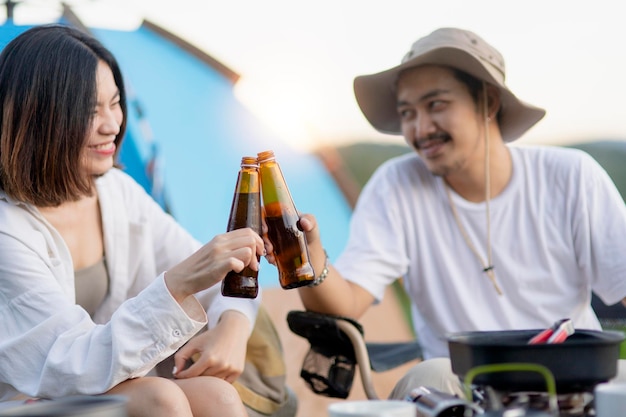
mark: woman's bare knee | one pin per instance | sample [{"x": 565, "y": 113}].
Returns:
[
  {"x": 211, "y": 397},
  {"x": 153, "y": 397}
]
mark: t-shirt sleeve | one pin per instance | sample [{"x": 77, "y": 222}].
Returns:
[
  {"x": 375, "y": 255},
  {"x": 600, "y": 232}
]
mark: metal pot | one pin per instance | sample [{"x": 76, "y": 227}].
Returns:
[
  {"x": 75, "y": 406},
  {"x": 583, "y": 360}
]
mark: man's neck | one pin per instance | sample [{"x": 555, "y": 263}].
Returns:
[{"x": 470, "y": 183}]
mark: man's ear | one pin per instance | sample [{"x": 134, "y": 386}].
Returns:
[{"x": 493, "y": 101}]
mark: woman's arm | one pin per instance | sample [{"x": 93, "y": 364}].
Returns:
[{"x": 50, "y": 347}]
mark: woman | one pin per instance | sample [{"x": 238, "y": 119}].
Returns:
[{"x": 97, "y": 283}]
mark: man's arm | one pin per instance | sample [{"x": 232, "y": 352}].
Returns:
[{"x": 334, "y": 295}]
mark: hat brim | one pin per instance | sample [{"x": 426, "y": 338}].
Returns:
[{"x": 376, "y": 95}]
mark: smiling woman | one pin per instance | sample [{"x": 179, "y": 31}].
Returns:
[
  {"x": 201, "y": 129},
  {"x": 78, "y": 222},
  {"x": 105, "y": 125}
]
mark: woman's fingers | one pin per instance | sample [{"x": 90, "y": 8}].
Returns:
[
  {"x": 243, "y": 247},
  {"x": 209, "y": 265}
]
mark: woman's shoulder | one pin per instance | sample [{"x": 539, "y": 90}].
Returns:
[
  {"x": 117, "y": 190},
  {"x": 19, "y": 220},
  {"x": 118, "y": 176}
]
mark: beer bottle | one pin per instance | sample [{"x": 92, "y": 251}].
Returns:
[
  {"x": 290, "y": 246},
  {"x": 245, "y": 211}
]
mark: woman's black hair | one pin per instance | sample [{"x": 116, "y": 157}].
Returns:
[{"x": 48, "y": 94}]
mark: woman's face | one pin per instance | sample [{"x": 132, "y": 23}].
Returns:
[{"x": 108, "y": 116}]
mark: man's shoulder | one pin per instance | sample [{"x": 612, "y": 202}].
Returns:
[
  {"x": 550, "y": 150},
  {"x": 556, "y": 156},
  {"x": 558, "y": 166},
  {"x": 404, "y": 163}
]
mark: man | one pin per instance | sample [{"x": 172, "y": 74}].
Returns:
[{"x": 486, "y": 236}]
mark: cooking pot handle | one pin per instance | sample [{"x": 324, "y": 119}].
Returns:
[{"x": 512, "y": 367}]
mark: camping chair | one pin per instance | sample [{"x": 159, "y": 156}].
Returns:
[{"x": 338, "y": 347}]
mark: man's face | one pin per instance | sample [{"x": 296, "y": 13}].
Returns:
[{"x": 440, "y": 119}]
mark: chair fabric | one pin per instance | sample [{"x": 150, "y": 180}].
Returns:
[
  {"x": 386, "y": 356},
  {"x": 329, "y": 366}
]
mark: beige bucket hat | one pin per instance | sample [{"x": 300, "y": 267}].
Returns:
[{"x": 456, "y": 48}]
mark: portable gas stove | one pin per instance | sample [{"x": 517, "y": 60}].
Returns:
[
  {"x": 575, "y": 404},
  {"x": 492, "y": 403},
  {"x": 514, "y": 378}
]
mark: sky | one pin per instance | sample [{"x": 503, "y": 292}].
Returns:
[{"x": 297, "y": 59}]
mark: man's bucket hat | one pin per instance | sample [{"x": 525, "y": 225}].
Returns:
[{"x": 451, "y": 47}]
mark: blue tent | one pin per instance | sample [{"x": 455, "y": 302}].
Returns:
[{"x": 187, "y": 133}]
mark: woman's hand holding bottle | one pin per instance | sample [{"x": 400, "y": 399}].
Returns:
[{"x": 230, "y": 251}]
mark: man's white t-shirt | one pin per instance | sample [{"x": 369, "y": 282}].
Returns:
[{"x": 558, "y": 231}]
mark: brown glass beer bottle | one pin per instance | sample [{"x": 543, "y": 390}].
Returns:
[
  {"x": 290, "y": 246},
  {"x": 245, "y": 211}
]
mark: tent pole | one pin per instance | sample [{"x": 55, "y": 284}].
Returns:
[{"x": 10, "y": 8}]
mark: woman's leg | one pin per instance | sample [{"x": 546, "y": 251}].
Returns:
[
  {"x": 153, "y": 397},
  {"x": 212, "y": 397}
]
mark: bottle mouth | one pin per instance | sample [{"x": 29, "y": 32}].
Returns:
[
  {"x": 265, "y": 156},
  {"x": 249, "y": 161}
]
